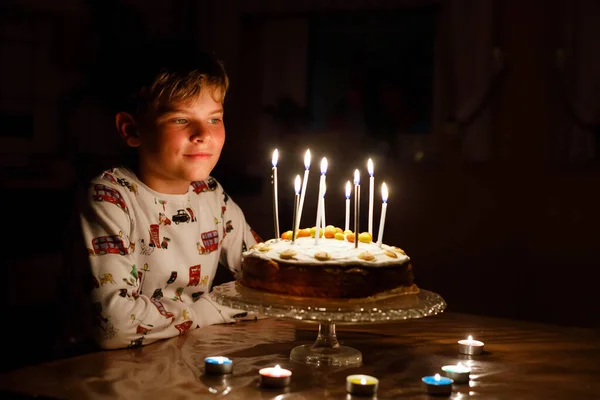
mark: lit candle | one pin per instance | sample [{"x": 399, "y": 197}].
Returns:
[
  {"x": 458, "y": 373},
  {"x": 275, "y": 205},
  {"x": 371, "y": 192},
  {"x": 276, "y": 377},
  {"x": 348, "y": 191},
  {"x": 438, "y": 385},
  {"x": 296, "y": 201},
  {"x": 356, "y": 206},
  {"x": 361, "y": 385},
  {"x": 218, "y": 365},
  {"x": 470, "y": 346},
  {"x": 304, "y": 183},
  {"x": 384, "y": 199},
  {"x": 321, "y": 191}
]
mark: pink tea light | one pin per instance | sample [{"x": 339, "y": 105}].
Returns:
[
  {"x": 275, "y": 377},
  {"x": 470, "y": 346}
]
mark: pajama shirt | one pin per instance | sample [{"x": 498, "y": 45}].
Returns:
[{"x": 154, "y": 256}]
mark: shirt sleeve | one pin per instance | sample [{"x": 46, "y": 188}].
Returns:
[
  {"x": 238, "y": 235},
  {"x": 122, "y": 316}
]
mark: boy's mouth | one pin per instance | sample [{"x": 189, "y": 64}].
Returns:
[{"x": 198, "y": 156}]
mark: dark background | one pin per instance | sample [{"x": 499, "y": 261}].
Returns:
[{"x": 482, "y": 117}]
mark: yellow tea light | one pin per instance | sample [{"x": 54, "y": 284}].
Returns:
[{"x": 361, "y": 385}]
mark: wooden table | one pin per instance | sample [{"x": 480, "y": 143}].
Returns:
[{"x": 522, "y": 361}]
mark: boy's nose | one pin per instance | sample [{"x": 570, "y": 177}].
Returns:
[{"x": 200, "y": 134}]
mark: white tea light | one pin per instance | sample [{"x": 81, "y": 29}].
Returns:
[
  {"x": 218, "y": 365},
  {"x": 362, "y": 385},
  {"x": 438, "y": 385},
  {"x": 470, "y": 346},
  {"x": 458, "y": 373},
  {"x": 275, "y": 377}
]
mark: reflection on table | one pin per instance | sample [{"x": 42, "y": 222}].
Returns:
[{"x": 521, "y": 360}]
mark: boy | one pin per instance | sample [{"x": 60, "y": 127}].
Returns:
[{"x": 155, "y": 232}]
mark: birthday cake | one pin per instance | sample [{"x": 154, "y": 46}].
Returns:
[{"x": 332, "y": 268}]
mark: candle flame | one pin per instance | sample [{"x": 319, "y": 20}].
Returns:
[
  {"x": 307, "y": 159},
  {"x": 348, "y": 189},
  {"x": 470, "y": 339},
  {"x": 297, "y": 184},
  {"x": 324, "y": 165},
  {"x": 370, "y": 167},
  {"x": 356, "y": 177},
  {"x": 277, "y": 367},
  {"x": 363, "y": 381},
  {"x": 437, "y": 377},
  {"x": 459, "y": 365},
  {"x": 275, "y": 157},
  {"x": 384, "y": 192}
]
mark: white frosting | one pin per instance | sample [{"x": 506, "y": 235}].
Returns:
[{"x": 340, "y": 252}]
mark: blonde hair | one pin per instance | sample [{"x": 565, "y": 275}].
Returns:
[{"x": 180, "y": 83}]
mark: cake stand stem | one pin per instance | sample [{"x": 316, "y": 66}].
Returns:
[
  {"x": 326, "y": 337},
  {"x": 326, "y": 350}
]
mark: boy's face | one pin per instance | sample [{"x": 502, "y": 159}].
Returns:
[{"x": 181, "y": 143}]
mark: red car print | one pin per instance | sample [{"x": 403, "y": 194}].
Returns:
[
  {"x": 208, "y": 185},
  {"x": 105, "y": 193},
  {"x": 113, "y": 244}
]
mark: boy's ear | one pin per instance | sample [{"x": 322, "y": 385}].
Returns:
[{"x": 127, "y": 129}]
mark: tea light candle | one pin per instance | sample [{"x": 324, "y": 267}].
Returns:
[
  {"x": 458, "y": 373},
  {"x": 470, "y": 346},
  {"x": 361, "y": 385},
  {"x": 275, "y": 377},
  {"x": 438, "y": 384},
  {"x": 218, "y": 365}
]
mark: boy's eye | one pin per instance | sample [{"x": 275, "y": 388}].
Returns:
[
  {"x": 214, "y": 121},
  {"x": 179, "y": 121}
]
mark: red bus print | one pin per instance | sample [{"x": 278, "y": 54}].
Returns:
[
  {"x": 194, "y": 275},
  {"x": 184, "y": 326},
  {"x": 210, "y": 240},
  {"x": 154, "y": 235},
  {"x": 161, "y": 308},
  {"x": 104, "y": 193},
  {"x": 113, "y": 244}
]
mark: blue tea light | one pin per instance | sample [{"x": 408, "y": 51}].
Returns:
[
  {"x": 218, "y": 365},
  {"x": 438, "y": 385}
]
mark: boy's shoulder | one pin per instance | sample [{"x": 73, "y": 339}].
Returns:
[{"x": 117, "y": 178}]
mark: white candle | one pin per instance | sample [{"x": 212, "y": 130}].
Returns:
[
  {"x": 218, "y": 365},
  {"x": 304, "y": 183},
  {"x": 348, "y": 191},
  {"x": 371, "y": 192},
  {"x": 275, "y": 203},
  {"x": 323, "y": 224},
  {"x": 384, "y": 199},
  {"x": 356, "y": 206},
  {"x": 321, "y": 190},
  {"x": 296, "y": 201}
]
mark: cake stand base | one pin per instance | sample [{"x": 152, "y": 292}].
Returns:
[{"x": 326, "y": 351}]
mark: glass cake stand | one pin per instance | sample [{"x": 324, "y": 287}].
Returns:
[{"x": 326, "y": 350}]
